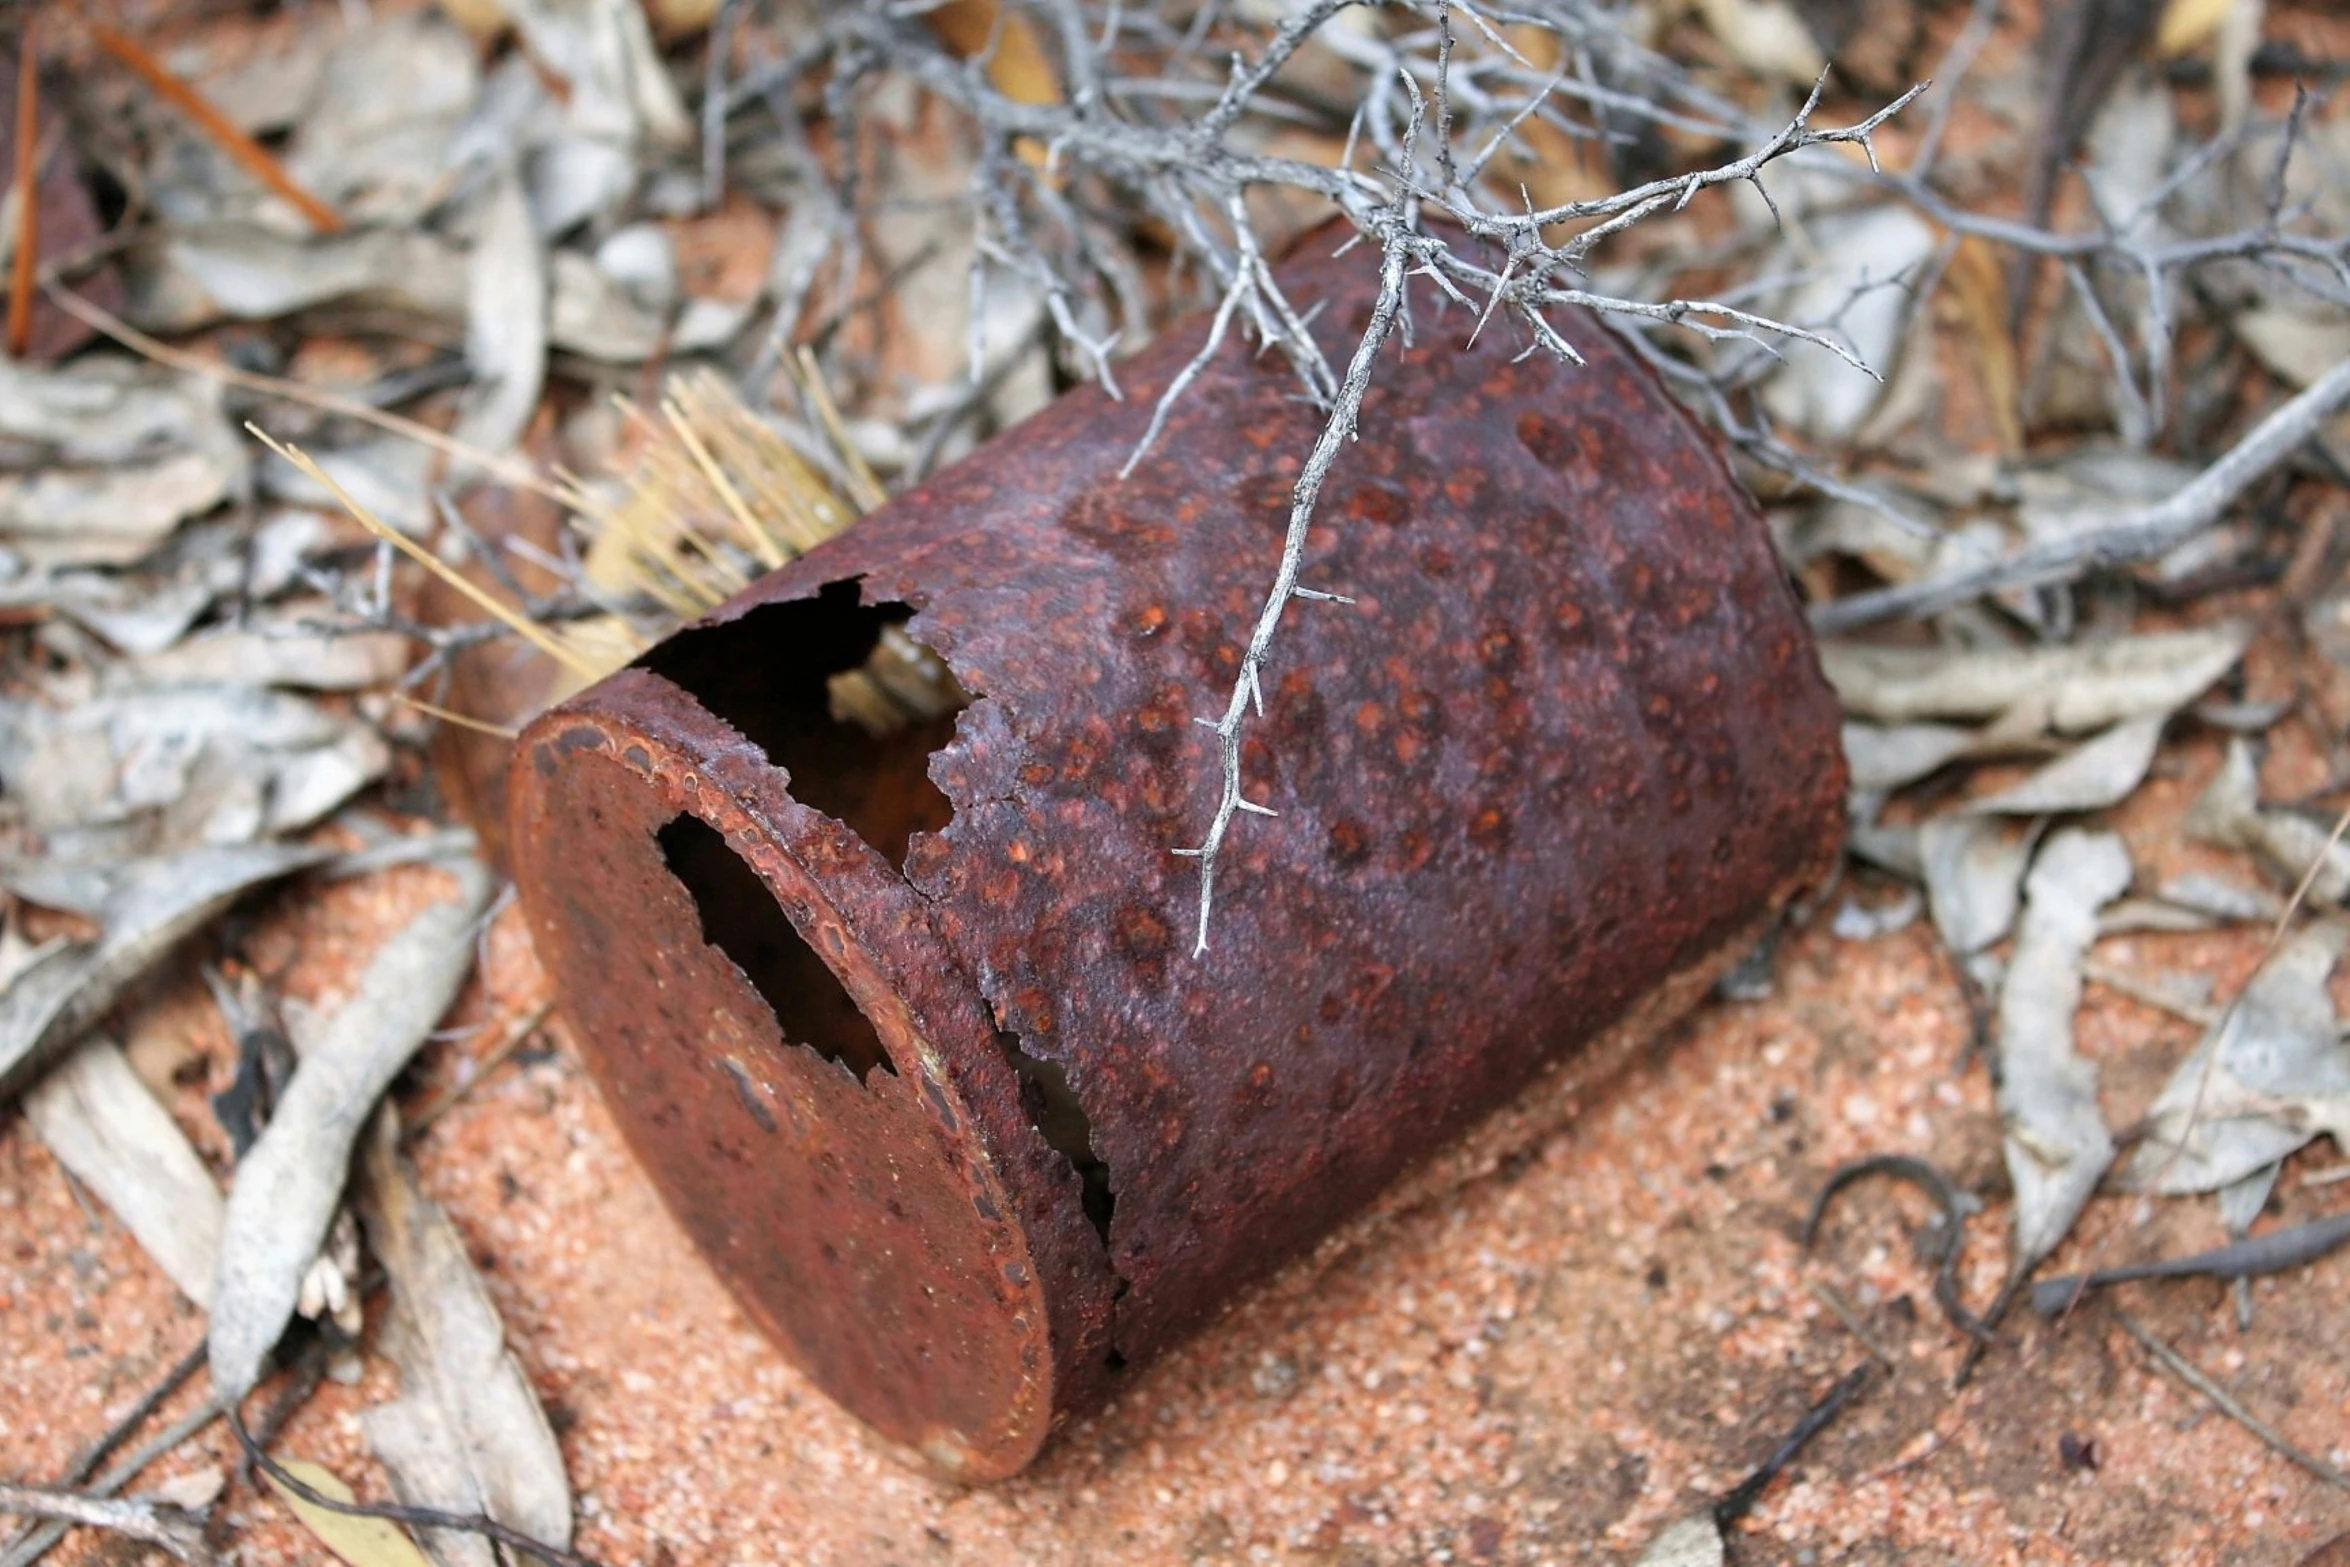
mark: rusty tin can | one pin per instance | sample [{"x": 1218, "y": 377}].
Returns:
[{"x": 902, "y": 1017}]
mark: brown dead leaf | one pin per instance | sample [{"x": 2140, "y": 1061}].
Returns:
[
  {"x": 1018, "y": 68},
  {"x": 2187, "y": 25},
  {"x": 1979, "y": 284}
]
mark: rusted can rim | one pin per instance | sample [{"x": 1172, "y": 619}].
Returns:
[{"x": 649, "y": 750}]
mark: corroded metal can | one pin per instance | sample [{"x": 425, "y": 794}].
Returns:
[{"x": 900, "y": 1011}]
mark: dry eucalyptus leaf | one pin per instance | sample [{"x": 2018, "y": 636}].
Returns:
[
  {"x": 190, "y": 280},
  {"x": 360, "y": 1542},
  {"x": 145, "y": 913},
  {"x": 1860, "y": 291},
  {"x": 1885, "y": 758},
  {"x": 1974, "y": 872},
  {"x": 2298, "y": 346},
  {"x": 374, "y": 141},
  {"x": 2071, "y": 690},
  {"x": 290, "y": 1183},
  {"x": 154, "y": 769},
  {"x": 2056, "y": 1143},
  {"x": 2100, "y": 772},
  {"x": 277, "y": 651},
  {"x": 467, "y": 1433},
  {"x": 2271, "y": 1075},
  {"x": 505, "y": 319},
  {"x": 427, "y": 1468},
  {"x": 102, "y": 458},
  {"x": 2222, "y": 899},
  {"x": 116, "y": 1139},
  {"x": 2229, "y": 814},
  {"x": 137, "y": 613},
  {"x": 1694, "y": 1541}
]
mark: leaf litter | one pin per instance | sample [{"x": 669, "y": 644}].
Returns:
[
  {"x": 2055, "y": 1139},
  {"x": 433, "y": 144},
  {"x": 290, "y": 1183}
]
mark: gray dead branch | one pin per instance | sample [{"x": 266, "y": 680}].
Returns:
[
  {"x": 467, "y": 1434},
  {"x": 2056, "y": 1143},
  {"x": 105, "y": 1127},
  {"x": 155, "y": 1523},
  {"x": 2292, "y": 1247},
  {"x": 143, "y": 913},
  {"x": 289, "y": 1185},
  {"x": 2272, "y": 1074}
]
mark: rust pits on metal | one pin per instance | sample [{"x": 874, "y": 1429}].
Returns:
[{"x": 901, "y": 1016}]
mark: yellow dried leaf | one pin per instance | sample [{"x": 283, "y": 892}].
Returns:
[
  {"x": 2188, "y": 25},
  {"x": 1980, "y": 286},
  {"x": 675, "y": 18},
  {"x": 482, "y": 20},
  {"x": 362, "y": 1542},
  {"x": 1018, "y": 69}
]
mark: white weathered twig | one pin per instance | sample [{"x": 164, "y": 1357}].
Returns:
[{"x": 2142, "y": 535}]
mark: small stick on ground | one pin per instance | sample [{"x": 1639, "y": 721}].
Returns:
[
  {"x": 2188, "y": 1372},
  {"x": 516, "y": 1035},
  {"x": 1742, "y": 1497},
  {"x": 1934, "y": 1184},
  {"x": 412, "y": 1517},
  {"x": 219, "y": 127},
  {"x": 45, "y": 1537},
  {"x": 28, "y": 200},
  {"x": 2273, "y": 1252},
  {"x": 90, "y": 1457},
  {"x": 156, "y": 1523}
]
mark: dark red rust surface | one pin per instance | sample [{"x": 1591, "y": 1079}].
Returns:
[{"x": 1570, "y": 739}]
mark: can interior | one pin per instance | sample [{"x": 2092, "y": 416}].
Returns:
[{"x": 835, "y": 693}]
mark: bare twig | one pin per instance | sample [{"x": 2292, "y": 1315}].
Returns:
[
  {"x": 155, "y": 1523},
  {"x": 26, "y": 193},
  {"x": 2274, "y": 1252},
  {"x": 2143, "y": 535},
  {"x": 223, "y": 131},
  {"x": 2228, "y": 1404}
]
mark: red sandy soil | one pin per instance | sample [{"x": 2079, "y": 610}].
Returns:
[{"x": 1546, "y": 1365}]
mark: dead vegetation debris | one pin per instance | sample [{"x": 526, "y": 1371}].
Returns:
[{"x": 2058, "y": 461}]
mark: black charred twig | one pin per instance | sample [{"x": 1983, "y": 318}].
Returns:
[
  {"x": 1954, "y": 1209},
  {"x": 412, "y": 1517},
  {"x": 1742, "y": 1497}
]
